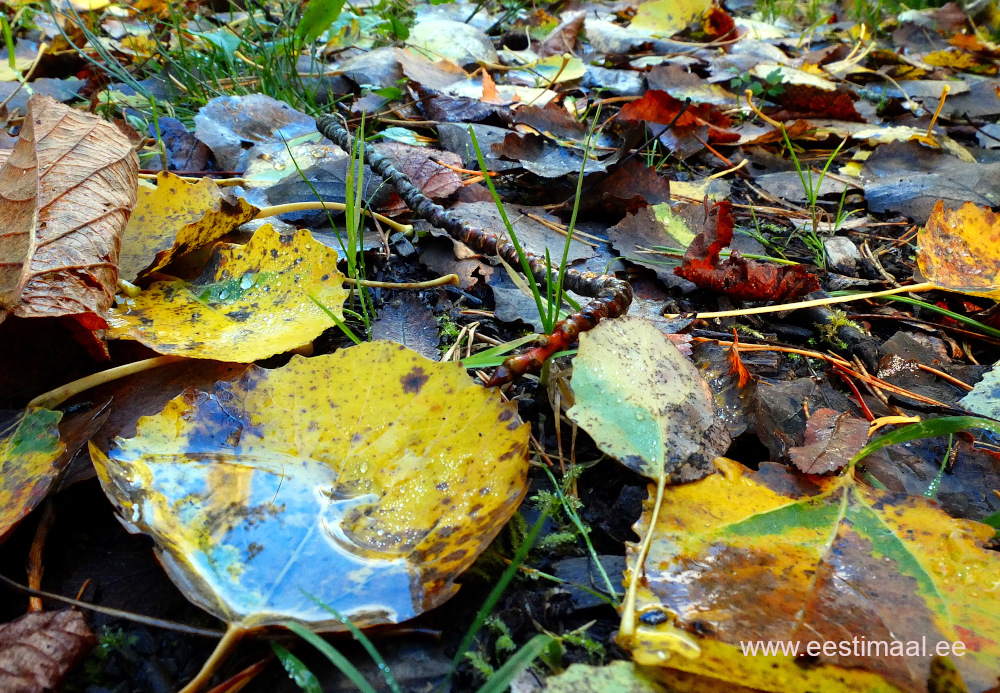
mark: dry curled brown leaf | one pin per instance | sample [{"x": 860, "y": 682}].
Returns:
[
  {"x": 66, "y": 194},
  {"x": 38, "y": 650}
]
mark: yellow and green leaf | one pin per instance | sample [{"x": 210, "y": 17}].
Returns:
[
  {"x": 745, "y": 557},
  {"x": 29, "y": 449}
]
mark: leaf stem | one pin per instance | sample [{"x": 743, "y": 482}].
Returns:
[
  {"x": 925, "y": 286},
  {"x": 448, "y": 279},
  {"x": 234, "y": 634},
  {"x": 54, "y": 398},
  {"x": 338, "y": 206}
]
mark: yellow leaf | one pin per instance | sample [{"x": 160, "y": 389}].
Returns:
[
  {"x": 667, "y": 17},
  {"x": 250, "y": 302},
  {"x": 174, "y": 218},
  {"x": 368, "y": 478},
  {"x": 29, "y": 448},
  {"x": 742, "y": 557},
  {"x": 960, "y": 250}
]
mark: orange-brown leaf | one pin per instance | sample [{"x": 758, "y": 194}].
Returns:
[
  {"x": 960, "y": 250},
  {"x": 66, "y": 194},
  {"x": 38, "y": 650}
]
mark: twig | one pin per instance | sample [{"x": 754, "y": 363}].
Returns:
[
  {"x": 448, "y": 279},
  {"x": 53, "y": 398},
  {"x": 338, "y": 206}
]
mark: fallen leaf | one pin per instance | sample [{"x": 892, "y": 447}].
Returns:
[
  {"x": 67, "y": 191},
  {"x": 960, "y": 250},
  {"x": 176, "y": 217},
  {"x": 251, "y": 301},
  {"x": 436, "y": 75},
  {"x": 407, "y": 320},
  {"x": 628, "y": 187},
  {"x": 544, "y": 158},
  {"x": 643, "y": 402},
  {"x": 738, "y": 277},
  {"x": 661, "y": 108},
  {"x": 832, "y": 439},
  {"x": 745, "y": 557},
  {"x": 369, "y": 478},
  {"x": 616, "y": 677},
  {"x": 29, "y": 449},
  {"x": 417, "y": 163},
  {"x": 39, "y": 649},
  {"x": 451, "y": 40},
  {"x": 658, "y": 225},
  {"x": 668, "y": 17}
]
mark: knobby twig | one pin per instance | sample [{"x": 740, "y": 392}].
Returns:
[{"x": 612, "y": 296}]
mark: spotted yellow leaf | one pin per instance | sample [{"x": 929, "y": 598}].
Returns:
[
  {"x": 251, "y": 301},
  {"x": 175, "y": 217},
  {"x": 960, "y": 250},
  {"x": 368, "y": 478}
]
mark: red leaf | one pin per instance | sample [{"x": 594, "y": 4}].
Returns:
[
  {"x": 736, "y": 366},
  {"x": 660, "y": 107},
  {"x": 738, "y": 277}
]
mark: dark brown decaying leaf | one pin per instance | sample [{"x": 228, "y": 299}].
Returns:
[
  {"x": 628, "y": 187},
  {"x": 38, "y": 650},
  {"x": 67, "y": 191},
  {"x": 832, "y": 439}
]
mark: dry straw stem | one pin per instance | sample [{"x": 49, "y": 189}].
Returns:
[
  {"x": 336, "y": 206},
  {"x": 830, "y": 300}
]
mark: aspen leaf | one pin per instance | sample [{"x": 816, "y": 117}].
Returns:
[
  {"x": 368, "y": 478},
  {"x": 960, "y": 250},
  {"x": 667, "y": 17},
  {"x": 29, "y": 449},
  {"x": 251, "y": 301},
  {"x": 174, "y": 218},
  {"x": 744, "y": 556},
  {"x": 642, "y": 401}
]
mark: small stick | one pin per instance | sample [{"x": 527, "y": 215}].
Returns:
[
  {"x": 944, "y": 376},
  {"x": 337, "y": 206}
]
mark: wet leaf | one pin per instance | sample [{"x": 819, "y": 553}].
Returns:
[
  {"x": 39, "y": 649},
  {"x": 67, "y": 191},
  {"x": 617, "y": 677},
  {"x": 738, "y": 277},
  {"x": 368, "y": 478},
  {"x": 769, "y": 556},
  {"x": 252, "y": 301},
  {"x": 644, "y": 402},
  {"x": 174, "y": 218},
  {"x": 832, "y": 439},
  {"x": 29, "y": 449},
  {"x": 960, "y": 250}
]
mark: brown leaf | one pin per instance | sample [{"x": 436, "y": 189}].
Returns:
[
  {"x": 67, "y": 191},
  {"x": 433, "y": 179},
  {"x": 832, "y": 438},
  {"x": 433, "y": 75},
  {"x": 628, "y": 187},
  {"x": 38, "y": 650},
  {"x": 562, "y": 39}
]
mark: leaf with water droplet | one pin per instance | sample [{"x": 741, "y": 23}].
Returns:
[
  {"x": 369, "y": 478},
  {"x": 222, "y": 316},
  {"x": 29, "y": 449},
  {"x": 643, "y": 401}
]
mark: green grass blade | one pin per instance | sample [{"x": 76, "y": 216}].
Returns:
[
  {"x": 366, "y": 643},
  {"x": 927, "y": 429},
  {"x": 542, "y": 313},
  {"x": 494, "y": 597},
  {"x": 494, "y": 356},
  {"x": 522, "y": 659},
  {"x": 330, "y": 652},
  {"x": 336, "y": 321},
  {"x": 297, "y": 671}
]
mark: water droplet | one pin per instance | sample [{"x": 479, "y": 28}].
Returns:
[
  {"x": 279, "y": 167},
  {"x": 223, "y": 295},
  {"x": 363, "y": 468},
  {"x": 247, "y": 281},
  {"x": 618, "y": 400},
  {"x": 639, "y": 416}
]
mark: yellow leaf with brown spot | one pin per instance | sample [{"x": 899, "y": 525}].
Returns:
[
  {"x": 29, "y": 449},
  {"x": 251, "y": 301},
  {"x": 176, "y": 217},
  {"x": 369, "y": 479},
  {"x": 667, "y": 17},
  {"x": 743, "y": 559},
  {"x": 960, "y": 250}
]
